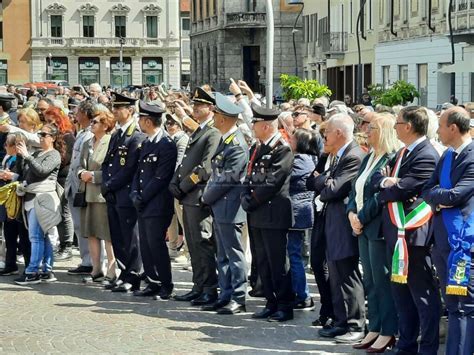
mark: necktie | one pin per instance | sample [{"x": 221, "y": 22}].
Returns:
[
  {"x": 333, "y": 166},
  {"x": 252, "y": 160}
]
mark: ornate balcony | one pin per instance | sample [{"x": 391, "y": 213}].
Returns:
[
  {"x": 246, "y": 20},
  {"x": 463, "y": 22},
  {"x": 334, "y": 44},
  {"x": 97, "y": 42}
]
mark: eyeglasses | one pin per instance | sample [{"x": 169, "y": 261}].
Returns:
[
  {"x": 372, "y": 128},
  {"x": 296, "y": 114},
  {"x": 170, "y": 123},
  {"x": 44, "y": 134},
  {"x": 93, "y": 122}
]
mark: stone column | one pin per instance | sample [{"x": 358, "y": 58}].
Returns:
[
  {"x": 136, "y": 70},
  {"x": 73, "y": 69}
]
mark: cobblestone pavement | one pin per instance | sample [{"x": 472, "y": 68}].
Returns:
[{"x": 71, "y": 317}]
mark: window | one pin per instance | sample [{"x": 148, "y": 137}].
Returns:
[
  {"x": 120, "y": 26},
  {"x": 251, "y": 5},
  {"x": 185, "y": 24},
  {"x": 3, "y": 72},
  {"x": 89, "y": 70},
  {"x": 386, "y": 76},
  {"x": 152, "y": 26},
  {"x": 403, "y": 72},
  {"x": 462, "y": 5},
  {"x": 57, "y": 68},
  {"x": 88, "y": 26},
  {"x": 56, "y": 26},
  {"x": 214, "y": 7},
  {"x": 423, "y": 83},
  {"x": 152, "y": 69},
  {"x": 120, "y": 72}
]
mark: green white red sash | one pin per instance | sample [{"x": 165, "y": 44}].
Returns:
[{"x": 416, "y": 218}]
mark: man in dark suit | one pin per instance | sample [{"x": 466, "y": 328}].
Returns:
[
  {"x": 269, "y": 213},
  {"x": 333, "y": 187},
  {"x": 459, "y": 199},
  {"x": 417, "y": 300},
  {"x": 153, "y": 201},
  {"x": 222, "y": 194},
  {"x": 187, "y": 186},
  {"x": 120, "y": 164}
]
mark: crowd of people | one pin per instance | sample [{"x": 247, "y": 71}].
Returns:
[{"x": 380, "y": 198}]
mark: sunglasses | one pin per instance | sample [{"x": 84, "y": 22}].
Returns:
[
  {"x": 296, "y": 114},
  {"x": 44, "y": 134},
  {"x": 170, "y": 123}
]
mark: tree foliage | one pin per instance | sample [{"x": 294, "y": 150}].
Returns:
[
  {"x": 296, "y": 88},
  {"x": 400, "y": 93}
]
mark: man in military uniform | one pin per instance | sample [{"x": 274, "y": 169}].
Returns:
[
  {"x": 222, "y": 194},
  {"x": 153, "y": 200},
  {"x": 267, "y": 202},
  {"x": 118, "y": 169},
  {"x": 187, "y": 186}
]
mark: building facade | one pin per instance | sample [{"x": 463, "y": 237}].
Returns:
[
  {"x": 228, "y": 40},
  {"x": 330, "y": 52},
  {"x": 414, "y": 46},
  {"x": 185, "y": 18},
  {"x": 111, "y": 42},
  {"x": 15, "y": 37}
]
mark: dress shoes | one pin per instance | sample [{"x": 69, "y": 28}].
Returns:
[
  {"x": 204, "y": 299},
  {"x": 324, "y": 322},
  {"x": 363, "y": 346},
  {"x": 390, "y": 344},
  {"x": 350, "y": 337},
  {"x": 147, "y": 291},
  {"x": 281, "y": 316},
  {"x": 232, "y": 307},
  {"x": 111, "y": 285},
  {"x": 263, "y": 314},
  {"x": 255, "y": 292},
  {"x": 127, "y": 287},
  {"x": 215, "y": 306},
  {"x": 332, "y": 332},
  {"x": 187, "y": 297},
  {"x": 165, "y": 293}
]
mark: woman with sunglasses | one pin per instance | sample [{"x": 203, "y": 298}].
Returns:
[
  {"x": 39, "y": 172},
  {"x": 94, "y": 220}
]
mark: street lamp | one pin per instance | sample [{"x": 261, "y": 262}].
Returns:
[
  {"x": 296, "y": 2},
  {"x": 121, "y": 64},
  {"x": 270, "y": 37}
]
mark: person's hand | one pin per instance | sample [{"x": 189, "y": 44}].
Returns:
[
  {"x": 188, "y": 109},
  {"x": 234, "y": 88},
  {"x": 386, "y": 171},
  {"x": 245, "y": 89},
  {"x": 179, "y": 111},
  {"x": 21, "y": 149},
  {"x": 390, "y": 181},
  {"x": 4, "y": 128},
  {"x": 6, "y": 175},
  {"x": 316, "y": 174},
  {"x": 355, "y": 222},
  {"x": 444, "y": 206},
  {"x": 86, "y": 176},
  {"x": 413, "y": 199}
]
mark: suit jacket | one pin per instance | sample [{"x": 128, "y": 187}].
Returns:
[
  {"x": 266, "y": 196},
  {"x": 72, "y": 181},
  {"x": 224, "y": 188},
  {"x": 120, "y": 164},
  {"x": 415, "y": 171},
  {"x": 156, "y": 166},
  {"x": 333, "y": 189},
  {"x": 371, "y": 213},
  {"x": 461, "y": 195},
  {"x": 91, "y": 160},
  {"x": 191, "y": 177}
]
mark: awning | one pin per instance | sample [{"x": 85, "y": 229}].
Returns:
[{"x": 459, "y": 67}]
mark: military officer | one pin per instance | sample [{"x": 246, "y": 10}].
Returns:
[
  {"x": 153, "y": 200},
  {"x": 269, "y": 213},
  {"x": 187, "y": 186},
  {"x": 222, "y": 194},
  {"x": 119, "y": 166}
]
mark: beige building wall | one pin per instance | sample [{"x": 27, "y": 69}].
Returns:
[{"x": 16, "y": 17}]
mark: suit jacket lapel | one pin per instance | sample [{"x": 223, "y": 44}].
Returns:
[
  {"x": 195, "y": 137},
  {"x": 219, "y": 149},
  {"x": 346, "y": 151},
  {"x": 414, "y": 152}
]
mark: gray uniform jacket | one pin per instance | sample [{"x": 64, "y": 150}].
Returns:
[{"x": 72, "y": 181}]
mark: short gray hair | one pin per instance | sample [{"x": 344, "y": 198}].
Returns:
[
  {"x": 343, "y": 122},
  {"x": 96, "y": 86}
]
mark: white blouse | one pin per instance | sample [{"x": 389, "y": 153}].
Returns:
[{"x": 361, "y": 180}]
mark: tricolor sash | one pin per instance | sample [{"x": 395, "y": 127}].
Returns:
[
  {"x": 416, "y": 218},
  {"x": 460, "y": 236}
]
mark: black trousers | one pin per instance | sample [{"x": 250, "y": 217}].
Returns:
[
  {"x": 418, "y": 304},
  {"x": 320, "y": 269},
  {"x": 124, "y": 236},
  {"x": 347, "y": 293},
  {"x": 66, "y": 226},
  {"x": 16, "y": 236},
  {"x": 274, "y": 267},
  {"x": 202, "y": 248},
  {"x": 153, "y": 249}
]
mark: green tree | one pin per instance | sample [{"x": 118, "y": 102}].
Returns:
[
  {"x": 400, "y": 93},
  {"x": 296, "y": 88}
]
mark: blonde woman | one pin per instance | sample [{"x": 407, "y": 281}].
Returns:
[{"x": 365, "y": 216}]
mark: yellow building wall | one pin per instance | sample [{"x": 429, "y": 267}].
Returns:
[{"x": 17, "y": 40}]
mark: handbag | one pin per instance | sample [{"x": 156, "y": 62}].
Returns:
[{"x": 80, "y": 198}]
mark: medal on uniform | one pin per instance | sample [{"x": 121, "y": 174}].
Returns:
[{"x": 122, "y": 161}]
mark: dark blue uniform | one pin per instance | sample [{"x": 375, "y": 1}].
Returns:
[
  {"x": 154, "y": 203},
  {"x": 119, "y": 166}
]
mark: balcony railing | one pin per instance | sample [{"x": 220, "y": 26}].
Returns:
[
  {"x": 334, "y": 43},
  {"x": 245, "y": 19},
  {"x": 96, "y": 42}
]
